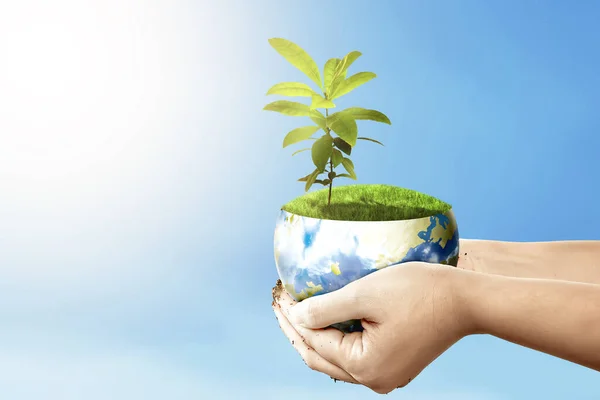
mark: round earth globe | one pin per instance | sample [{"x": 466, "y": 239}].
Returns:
[{"x": 358, "y": 235}]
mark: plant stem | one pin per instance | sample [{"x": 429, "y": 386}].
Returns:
[
  {"x": 330, "y": 163},
  {"x": 330, "y": 184}
]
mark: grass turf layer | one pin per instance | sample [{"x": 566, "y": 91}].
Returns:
[{"x": 366, "y": 203}]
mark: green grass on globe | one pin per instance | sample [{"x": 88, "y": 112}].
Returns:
[{"x": 366, "y": 203}]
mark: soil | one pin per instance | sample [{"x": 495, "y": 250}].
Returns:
[{"x": 277, "y": 289}]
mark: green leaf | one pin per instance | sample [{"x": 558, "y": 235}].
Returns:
[
  {"x": 344, "y": 176},
  {"x": 349, "y": 166},
  {"x": 372, "y": 115},
  {"x": 300, "y": 151},
  {"x": 324, "y": 182},
  {"x": 343, "y": 146},
  {"x": 344, "y": 126},
  {"x": 291, "y": 108},
  {"x": 319, "y": 101},
  {"x": 343, "y": 65},
  {"x": 292, "y": 89},
  {"x": 299, "y": 58},
  {"x": 348, "y": 85},
  {"x": 304, "y": 179},
  {"x": 319, "y": 119},
  {"x": 299, "y": 134},
  {"x": 336, "y": 156},
  {"x": 329, "y": 71},
  {"x": 341, "y": 69},
  {"x": 336, "y": 83},
  {"x": 321, "y": 151},
  {"x": 369, "y": 139},
  {"x": 311, "y": 178}
]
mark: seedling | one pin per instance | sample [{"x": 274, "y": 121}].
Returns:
[{"x": 340, "y": 131}]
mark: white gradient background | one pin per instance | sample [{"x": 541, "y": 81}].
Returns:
[{"x": 140, "y": 182}]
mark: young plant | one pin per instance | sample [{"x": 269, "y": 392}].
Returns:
[{"x": 340, "y": 128}]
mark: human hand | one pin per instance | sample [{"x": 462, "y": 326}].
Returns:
[{"x": 410, "y": 315}]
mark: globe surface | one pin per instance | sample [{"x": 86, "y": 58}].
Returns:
[{"x": 317, "y": 256}]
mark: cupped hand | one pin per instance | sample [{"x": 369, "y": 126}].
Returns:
[{"x": 411, "y": 313}]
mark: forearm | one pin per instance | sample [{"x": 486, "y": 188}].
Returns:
[
  {"x": 577, "y": 261},
  {"x": 556, "y": 317}
]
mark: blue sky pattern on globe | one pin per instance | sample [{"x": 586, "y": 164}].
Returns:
[{"x": 308, "y": 257}]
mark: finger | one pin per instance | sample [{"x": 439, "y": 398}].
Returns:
[
  {"x": 285, "y": 300},
  {"x": 311, "y": 358},
  {"x": 330, "y": 343},
  {"x": 331, "y": 308},
  {"x": 339, "y": 348}
]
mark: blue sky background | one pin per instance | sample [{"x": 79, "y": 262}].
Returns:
[{"x": 140, "y": 181}]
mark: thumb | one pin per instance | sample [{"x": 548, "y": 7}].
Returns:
[{"x": 326, "y": 309}]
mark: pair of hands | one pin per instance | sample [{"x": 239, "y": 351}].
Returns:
[{"x": 410, "y": 315}]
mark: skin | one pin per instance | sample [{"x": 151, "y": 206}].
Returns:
[
  {"x": 575, "y": 261},
  {"x": 412, "y": 313}
]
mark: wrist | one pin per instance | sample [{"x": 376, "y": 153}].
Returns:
[
  {"x": 497, "y": 257},
  {"x": 467, "y": 254},
  {"x": 466, "y": 290},
  {"x": 480, "y": 255}
]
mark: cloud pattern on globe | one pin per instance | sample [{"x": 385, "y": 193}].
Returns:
[{"x": 316, "y": 256}]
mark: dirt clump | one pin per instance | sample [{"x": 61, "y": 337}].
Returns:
[{"x": 277, "y": 290}]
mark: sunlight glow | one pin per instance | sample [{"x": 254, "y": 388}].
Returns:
[
  {"x": 78, "y": 83},
  {"x": 89, "y": 98},
  {"x": 106, "y": 135}
]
